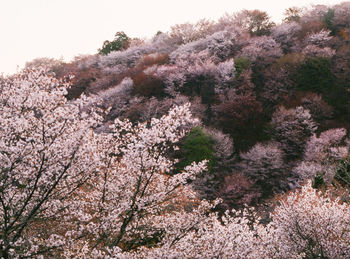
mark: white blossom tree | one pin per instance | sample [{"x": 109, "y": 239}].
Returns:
[
  {"x": 46, "y": 153},
  {"x": 319, "y": 39},
  {"x": 230, "y": 236},
  {"x": 308, "y": 224},
  {"x": 313, "y": 50},
  {"x": 265, "y": 166},
  {"x": 187, "y": 32},
  {"x": 262, "y": 47},
  {"x": 65, "y": 189},
  {"x": 136, "y": 200},
  {"x": 286, "y": 34},
  {"x": 322, "y": 155},
  {"x": 292, "y": 127}
]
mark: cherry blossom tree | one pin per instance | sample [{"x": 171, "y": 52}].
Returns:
[
  {"x": 136, "y": 197},
  {"x": 319, "y": 109},
  {"x": 285, "y": 34},
  {"x": 264, "y": 47},
  {"x": 264, "y": 165},
  {"x": 225, "y": 44},
  {"x": 308, "y": 224},
  {"x": 187, "y": 32},
  {"x": 292, "y": 127},
  {"x": 46, "y": 153},
  {"x": 322, "y": 154},
  {"x": 313, "y": 50},
  {"x": 114, "y": 191},
  {"x": 320, "y": 38},
  {"x": 231, "y": 236},
  {"x": 341, "y": 16}
]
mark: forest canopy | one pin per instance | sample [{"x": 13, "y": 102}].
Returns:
[{"x": 218, "y": 139}]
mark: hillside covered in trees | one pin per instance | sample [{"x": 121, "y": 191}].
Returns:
[{"x": 219, "y": 139}]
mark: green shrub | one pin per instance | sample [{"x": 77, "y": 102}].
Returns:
[
  {"x": 121, "y": 41},
  {"x": 241, "y": 63},
  {"x": 328, "y": 21},
  {"x": 201, "y": 85},
  {"x": 315, "y": 75},
  {"x": 342, "y": 174},
  {"x": 318, "y": 182},
  {"x": 196, "y": 147}
]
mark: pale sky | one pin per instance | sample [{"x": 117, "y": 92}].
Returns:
[{"x": 65, "y": 28}]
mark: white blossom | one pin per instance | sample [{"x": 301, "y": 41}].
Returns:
[{"x": 47, "y": 150}]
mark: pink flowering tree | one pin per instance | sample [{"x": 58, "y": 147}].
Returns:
[
  {"x": 136, "y": 200},
  {"x": 46, "y": 153},
  {"x": 286, "y": 34},
  {"x": 291, "y": 128},
  {"x": 308, "y": 224},
  {"x": 264, "y": 47},
  {"x": 264, "y": 165},
  {"x": 65, "y": 190},
  {"x": 322, "y": 155},
  {"x": 230, "y": 236}
]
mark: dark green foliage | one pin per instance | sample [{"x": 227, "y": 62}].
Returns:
[
  {"x": 318, "y": 182},
  {"x": 315, "y": 75},
  {"x": 328, "y": 21},
  {"x": 207, "y": 93},
  {"x": 121, "y": 41},
  {"x": 196, "y": 147},
  {"x": 339, "y": 98},
  {"x": 241, "y": 63},
  {"x": 202, "y": 85},
  {"x": 342, "y": 174},
  {"x": 258, "y": 76}
]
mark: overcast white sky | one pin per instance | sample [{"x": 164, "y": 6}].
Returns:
[{"x": 65, "y": 28}]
